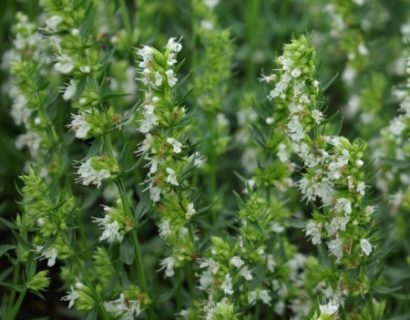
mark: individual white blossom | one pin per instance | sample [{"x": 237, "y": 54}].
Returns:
[
  {"x": 79, "y": 125},
  {"x": 246, "y": 273},
  {"x": 171, "y": 177},
  {"x": 336, "y": 248},
  {"x": 236, "y": 262},
  {"x": 366, "y": 247},
  {"x": 109, "y": 226},
  {"x": 64, "y": 64},
  {"x": 73, "y": 295},
  {"x": 172, "y": 79},
  {"x": 343, "y": 205},
  {"x": 50, "y": 255},
  {"x": 313, "y": 231},
  {"x": 124, "y": 308},
  {"x": 70, "y": 90},
  {"x": 329, "y": 308},
  {"x": 169, "y": 265},
  {"x": 88, "y": 175},
  {"x": 190, "y": 210},
  {"x": 176, "y": 145},
  {"x": 227, "y": 285}
]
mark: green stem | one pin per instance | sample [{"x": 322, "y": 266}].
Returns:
[
  {"x": 212, "y": 160},
  {"x": 12, "y": 296},
  {"x": 179, "y": 290},
  {"x": 126, "y": 18},
  {"x": 17, "y": 305},
  {"x": 139, "y": 262}
]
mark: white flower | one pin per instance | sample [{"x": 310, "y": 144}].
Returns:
[
  {"x": 282, "y": 153},
  {"x": 366, "y": 247},
  {"x": 329, "y": 308},
  {"x": 85, "y": 69},
  {"x": 336, "y": 248},
  {"x": 246, "y": 273},
  {"x": 172, "y": 80},
  {"x": 172, "y": 178},
  {"x": 31, "y": 140},
  {"x": 359, "y": 2},
  {"x": 265, "y": 297},
  {"x": 110, "y": 227},
  {"x": 158, "y": 79},
  {"x": 164, "y": 228},
  {"x": 361, "y": 188},
  {"x": 206, "y": 280},
  {"x": 176, "y": 145},
  {"x": 190, "y": 210},
  {"x": 227, "y": 285},
  {"x": 211, "y": 3},
  {"x": 397, "y": 126},
  {"x": 145, "y": 145},
  {"x": 64, "y": 64},
  {"x": 173, "y": 45},
  {"x": 169, "y": 265},
  {"x": 362, "y": 49},
  {"x": 317, "y": 115},
  {"x": 336, "y": 224},
  {"x": 313, "y": 231},
  {"x": 270, "y": 262},
  {"x": 343, "y": 205},
  {"x": 296, "y": 131},
  {"x": 236, "y": 262},
  {"x": 53, "y": 22},
  {"x": 277, "y": 228},
  {"x": 79, "y": 125},
  {"x": 296, "y": 73},
  {"x": 88, "y": 175},
  {"x": 123, "y": 307},
  {"x": 324, "y": 191},
  {"x": 155, "y": 193},
  {"x": 73, "y": 295},
  {"x": 146, "y": 55},
  {"x": 252, "y": 296},
  {"x": 70, "y": 90},
  {"x": 50, "y": 255}
]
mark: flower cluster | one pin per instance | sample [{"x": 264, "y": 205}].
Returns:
[
  {"x": 334, "y": 173},
  {"x": 165, "y": 147}
]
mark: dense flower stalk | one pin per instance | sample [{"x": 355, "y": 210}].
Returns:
[{"x": 165, "y": 124}]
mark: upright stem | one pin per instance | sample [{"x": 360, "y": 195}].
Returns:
[
  {"x": 212, "y": 160},
  {"x": 126, "y": 18},
  {"x": 17, "y": 305},
  {"x": 139, "y": 262},
  {"x": 12, "y": 296}
]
